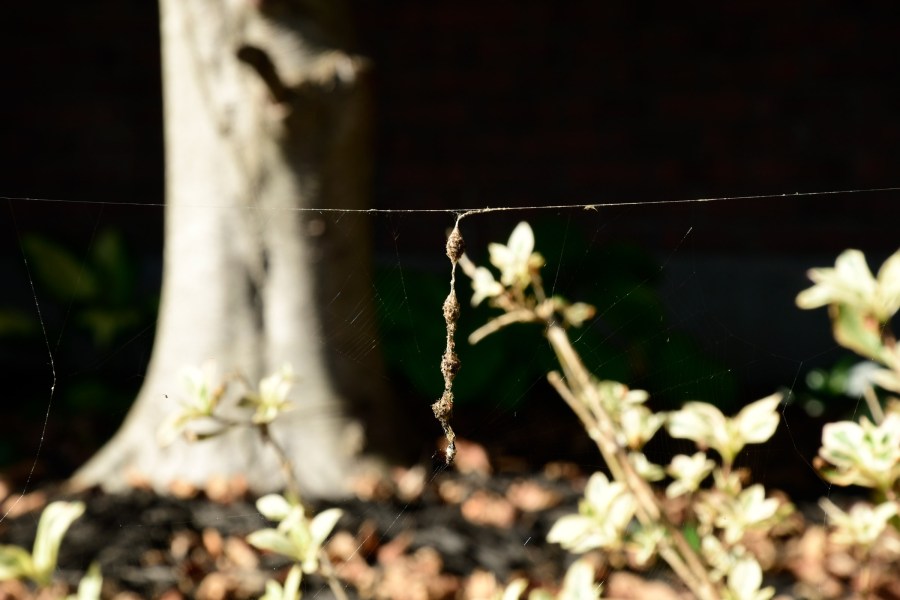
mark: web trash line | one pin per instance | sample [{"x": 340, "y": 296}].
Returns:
[{"x": 464, "y": 212}]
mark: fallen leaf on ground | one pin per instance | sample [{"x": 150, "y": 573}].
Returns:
[
  {"x": 212, "y": 541},
  {"x": 487, "y": 508},
  {"x": 417, "y": 577},
  {"x": 240, "y": 553},
  {"x": 182, "y": 489},
  {"x": 530, "y": 496},
  {"x": 453, "y": 492},
  {"x": 16, "y": 505},
  {"x": 471, "y": 458},
  {"x": 215, "y": 586},
  {"x": 628, "y": 586},
  {"x": 409, "y": 483},
  {"x": 226, "y": 490},
  {"x": 394, "y": 549}
]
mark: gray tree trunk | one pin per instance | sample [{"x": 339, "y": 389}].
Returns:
[{"x": 266, "y": 112}]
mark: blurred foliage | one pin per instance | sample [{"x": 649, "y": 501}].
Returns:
[
  {"x": 100, "y": 289},
  {"x": 93, "y": 309},
  {"x": 826, "y": 393},
  {"x": 629, "y": 339}
]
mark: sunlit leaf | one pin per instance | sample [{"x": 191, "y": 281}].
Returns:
[
  {"x": 515, "y": 589},
  {"x": 745, "y": 579},
  {"x": 90, "y": 585},
  {"x": 274, "y": 507},
  {"x": 862, "y": 525},
  {"x": 578, "y": 583},
  {"x": 688, "y": 473},
  {"x": 857, "y": 331},
  {"x": 319, "y": 529},
  {"x": 516, "y": 259},
  {"x": 15, "y": 563},
  {"x": 54, "y": 522},
  {"x": 757, "y": 421},
  {"x": 273, "y": 541}
]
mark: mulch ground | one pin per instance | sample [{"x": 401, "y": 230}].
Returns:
[{"x": 422, "y": 534}]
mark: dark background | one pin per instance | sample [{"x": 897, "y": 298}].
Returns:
[{"x": 495, "y": 104}]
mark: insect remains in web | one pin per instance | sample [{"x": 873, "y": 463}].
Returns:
[{"x": 450, "y": 364}]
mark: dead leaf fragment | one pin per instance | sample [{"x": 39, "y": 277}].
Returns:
[
  {"x": 215, "y": 586},
  {"x": 239, "y": 553},
  {"x": 487, "y": 508},
  {"x": 417, "y": 577},
  {"x": 410, "y": 483},
  {"x": 471, "y": 458},
  {"x": 530, "y": 496},
  {"x": 225, "y": 490},
  {"x": 17, "y": 505},
  {"x": 212, "y": 542},
  {"x": 629, "y": 586}
]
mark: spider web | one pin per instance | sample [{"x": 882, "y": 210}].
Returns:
[{"x": 694, "y": 301}]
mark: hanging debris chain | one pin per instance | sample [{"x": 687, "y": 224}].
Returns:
[{"x": 443, "y": 408}]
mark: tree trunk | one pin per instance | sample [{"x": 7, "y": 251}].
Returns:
[{"x": 266, "y": 114}]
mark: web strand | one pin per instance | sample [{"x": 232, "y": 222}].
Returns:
[
  {"x": 37, "y": 307},
  {"x": 466, "y": 212}
]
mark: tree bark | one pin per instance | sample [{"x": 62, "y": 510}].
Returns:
[{"x": 267, "y": 113}]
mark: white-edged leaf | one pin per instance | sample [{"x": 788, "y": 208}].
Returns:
[
  {"x": 484, "y": 286},
  {"x": 646, "y": 469},
  {"x": 54, "y": 522},
  {"x": 292, "y": 584},
  {"x": 90, "y": 585},
  {"x": 744, "y": 581},
  {"x": 889, "y": 283},
  {"x": 274, "y": 507},
  {"x": 578, "y": 583},
  {"x": 319, "y": 529},
  {"x": 273, "y": 541},
  {"x": 515, "y": 589},
  {"x": 688, "y": 472},
  {"x": 576, "y": 533},
  {"x": 323, "y": 523},
  {"x": 757, "y": 421},
  {"x": 273, "y": 591},
  {"x": 697, "y": 421},
  {"x": 514, "y": 258}
]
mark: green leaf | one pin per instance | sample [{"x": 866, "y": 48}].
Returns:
[
  {"x": 15, "y": 563},
  {"x": 18, "y": 323},
  {"x": 857, "y": 331},
  {"x": 57, "y": 269},
  {"x": 105, "y": 324},
  {"x": 692, "y": 536},
  {"x": 114, "y": 268}
]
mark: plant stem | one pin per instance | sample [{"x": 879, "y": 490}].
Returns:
[
  {"x": 287, "y": 468},
  {"x": 582, "y": 396},
  {"x": 873, "y": 404},
  {"x": 327, "y": 570},
  {"x": 524, "y": 315}
]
